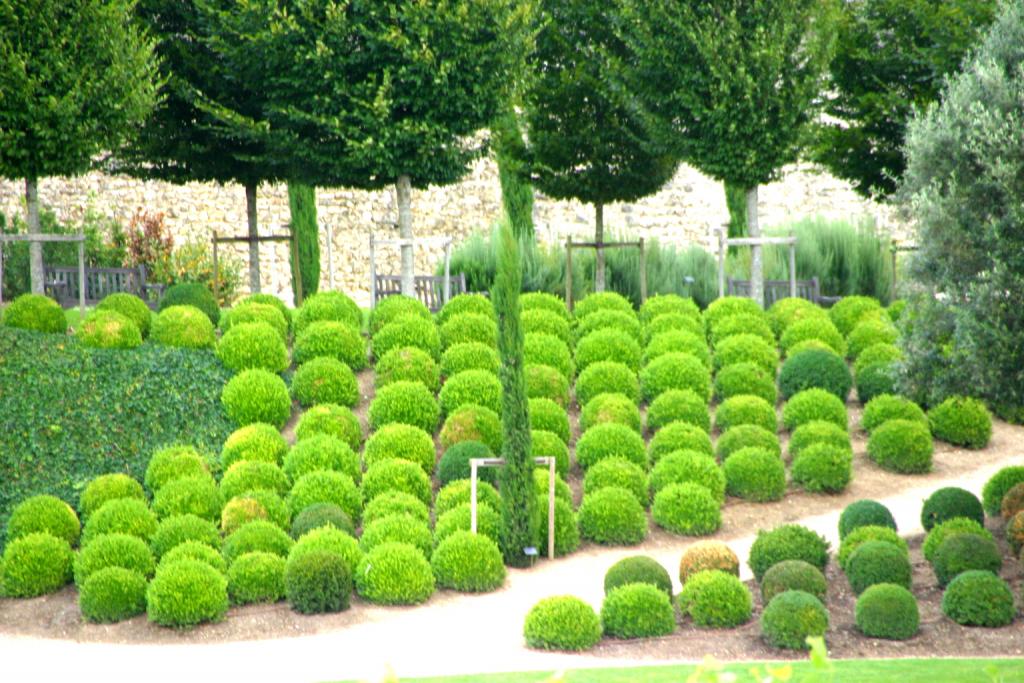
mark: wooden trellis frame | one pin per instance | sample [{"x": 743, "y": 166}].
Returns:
[
  {"x": 724, "y": 242},
  {"x": 570, "y": 245},
  {"x": 42, "y": 238},
  {"x": 249, "y": 239},
  {"x": 476, "y": 463}
]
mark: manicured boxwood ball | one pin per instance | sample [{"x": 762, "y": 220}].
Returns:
[
  {"x": 660, "y": 304},
  {"x": 567, "y": 533},
  {"x": 458, "y": 492},
  {"x": 44, "y": 513},
  {"x": 258, "y": 535},
  {"x": 678, "y": 404},
  {"x": 793, "y": 575},
  {"x": 881, "y": 409},
  {"x": 468, "y": 562},
  {"x": 674, "y": 371},
  {"x": 679, "y": 436},
  {"x": 902, "y": 446},
  {"x": 184, "y": 327},
  {"x": 608, "y": 344},
  {"x": 674, "y": 341},
  {"x": 407, "y": 364},
  {"x": 818, "y": 432},
  {"x": 171, "y": 463},
  {"x": 616, "y": 408},
  {"x": 328, "y": 306},
  {"x": 725, "y": 307},
  {"x": 962, "y": 552},
  {"x": 107, "y": 487},
  {"x": 940, "y": 532},
  {"x": 454, "y": 464},
  {"x": 186, "y": 593},
  {"x": 395, "y": 503},
  {"x": 887, "y": 610},
  {"x": 124, "y": 515},
  {"x": 998, "y": 485},
  {"x": 868, "y": 333},
  {"x": 472, "y": 422},
  {"x": 601, "y": 301},
  {"x": 815, "y": 369},
  {"x": 850, "y": 310},
  {"x": 394, "y": 475},
  {"x": 253, "y": 475},
  {"x": 755, "y": 474},
  {"x": 529, "y": 301},
  {"x": 745, "y": 378},
  {"x": 1013, "y": 502},
  {"x": 745, "y": 409},
  {"x": 746, "y": 436},
  {"x": 746, "y": 348},
  {"x": 979, "y": 598},
  {"x": 400, "y": 441},
  {"x": 397, "y": 529},
  {"x": 607, "y": 377},
  {"x": 876, "y": 354},
  {"x": 792, "y": 617},
  {"x": 814, "y": 404},
  {"x": 545, "y": 444},
  {"x": 177, "y": 529},
  {"x": 688, "y": 509},
  {"x": 325, "y": 380},
  {"x": 112, "y": 594},
  {"x": 562, "y": 622},
  {"x": 543, "y": 381},
  {"x": 638, "y": 569},
  {"x": 396, "y": 306},
  {"x": 317, "y": 582},
  {"x": 469, "y": 327},
  {"x": 612, "y": 516},
  {"x": 610, "y": 440},
  {"x": 787, "y": 542},
  {"x": 114, "y": 550},
  {"x": 196, "y": 495},
  {"x": 689, "y": 466},
  {"x": 716, "y": 599},
  {"x": 462, "y": 304},
  {"x": 878, "y": 562},
  {"x": 547, "y": 415},
  {"x": 784, "y": 312},
  {"x": 469, "y": 356},
  {"x": 257, "y": 396},
  {"x": 329, "y": 539},
  {"x": 321, "y": 452},
  {"x": 874, "y": 380},
  {"x": 1015, "y": 532},
  {"x": 407, "y": 331},
  {"x": 252, "y": 345},
  {"x": 192, "y": 294},
  {"x": 331, "y": 420},
  {"x": 741, "y": 324},
  {"x": 823, "y": 468},
  {"x": 861, "y": 535},
  {"x": 673, "y": 322},
  {"x": 254, "y": 313},
  {"x": 320, "y": 515},
  {"x": 811, "y": 345},
  {"x": 395, "y": 574},
  {"x": 548, "y": 322},
  {"x": 35, "y": 312},
  {"x": 471, "y": 387},
  {"x": 331, "y": 340},
  {"x": 194, "y": 550},
  {"x": 105, "y": 329},
  {"x": 541, "y": 485},
  {"x": 459, "y": 518},
  {"x": 256, "y": 441},
  {"x": 256, "y": 577},
  {"x": 35, "y": 564},
  {"x": 814, "y": 328},
  {"x": 325, "y": 486},
  {"x": 546, "y": 349},
  {"x": 617, "y": 472},
  {"x": 949, "y": 502},
  {"x": 864, "y": 513},
  {"x": 707, "y": 555},
  {"x": 962, "y": 422},
  {"x": 637, "y": 610},
  {"x": 239, "y": 511}
]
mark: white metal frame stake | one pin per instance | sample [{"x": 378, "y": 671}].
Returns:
[{"x": 476, "y": 463}]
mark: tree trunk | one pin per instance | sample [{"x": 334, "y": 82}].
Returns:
[
  {"x": 254, "y": 247},
  {"x": 35, "y": 249},
  {"x": 756, "y": 262},
  {"x": 736, "y": 202},
  {"x": 599, "y": 238},
  {"x": 404, "y": 188}
]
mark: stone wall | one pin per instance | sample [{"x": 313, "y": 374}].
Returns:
[{"x": 686, "y": 210}]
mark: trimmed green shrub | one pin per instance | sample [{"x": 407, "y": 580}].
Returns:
[
  {"x": 194, "y": 550},
  {"x": 787, "y": 542},
  {"x": 814, "y": 404},
  {"x": 823, "y": 468},
  {"x": 902, "y": 446},
  {"x": 725, "y": 307},
  {"x": 638, "y": 569},
  {"x": 610, "y": 440},
  {"x": 745, "y": 409},
  {"x": 1013, "y": 502},
  {"x": 325, "y": 380},
  {"x": 472, "y": 422},
  {"x": 529, "y": 301},
  {"x": 616, "y": 408},
  {"x": 688, "y": 509},
  {"x": 545, "y": 349},
  {"x": 257, "y": 441},
  {"x": 543, "y": 381},
  {"x": 124, "y": 515},
  {"x": 395, "y": 503},
  {"x": 675, "y": 371},
  {"x": 818, "y": 432},
  {"x": 454, "y": 464},
  {"x": 741, "y": 324},
  {"x": 745, "y": 379},
  {"x": 252, "y": 345},
  {"x": 746, "y": 348},
  {"x": 253, "y": 475},
  {"x": 320, "y": 515},
  {"x": 459, "y": 518},
  {"x": 35, "y": 564},
  {"x": 98, "y": 491},
  {"x": 256, "y": 577},
  {"x": 258, "y": 535},
  {"x": 784, "y": 312},
  {"x": 962, "y": 552},
  {"x": 193, "y": 495},
  {"x": 268, "y": 300},
  {"x": 462, "y": 304},
  {"x": 707, "y": 555},
  {"x": 471, "y": 387},
  {"x": 112, "y": 594},
  {"x": 331, "y": 420},
  {"x": 886, "y": 610},
  {"x": 105, "y": 329},
  {"x": 747, "y": 436},
  {"x": 874, "y": 380},
  {"x": 997, "y": 486},
  {"x": 679, "y": 436},
  {"x": 407, "y": 331},
  {"x": 864, "y": 513},
  {"x": 325, "y": 486},
  {"x": 881, "y": 409},
  {"x": 876, "y": 354},
  {"x": 330, "y": 540},
  {"x": 114, "y": 550},
  {"x": 567, "y": 533},
  {"x": 863, "y": 534},
  {"x": 814, "y": 328},
  {"x": 614, "y": 471},
  {"x": 546, "y": 415},
  {"x": 612, "y": 516},
  {"x": 396, "y": 306},
  {"x": 183, "y": 326},
  {"x": 328, "y": 307},
  {"x": 173, "y": 462},
  {"x": 177, "y": 529},
  {"x": 716, "y": 599},
  {"x": 458, "y": 492},
  {"x": 321, "y": 452},
  {"x": 395, "y": 574},
  {"x": 674, "y": 341},
  {"x": 395, "y": 475},
  {"x": 562, "y": 622},
  {"x": 329, "y": 339},
  {"x": 255, "y": 313},
  {"x": 317, "y": 582},
  {"x": 793, "y": 575},
  {"x": 44, "y": 513},
  {"x": 469, "y": 327},
  {"x": 408, "y": 364},
  {"x": 37, "y": 313},
  {"x": 962, "y": 422},
  {"x": 548, "y": 322},
  {"x": 678, "y": 404},
  {"x": 257, "y": 396},
  {"x": 400, "y": 441},
  {"x": 602, "y": 301},
  {"x": 660, "y": 304},
  {"x": 607, "y": 377},
  {"x": 542, "y": 481},
  {"x": 468, "y": 562},
  {"x": 192, "y": 294},
  {"x": 792, "y": 617},
  {"x": 469, "y": 356},
  {"x": 811, "y": 345},
  {"x": 815, "y": 369},
  {"x": 397, "y": 529},
  {"x": 1015, "y": 532},
  {"x": 637, "y": 610},
  {"x": 979, "y": 598},
  {"x": 949, "y": 502},
  {"x": 187, "y": 593},
  {"x": 868, "y": 333},
  {"x": 878, "y": 562},
  {"x": 957, "y": 525},
  {"x": 755, "y": 474},
  {"x": 689, "y": 466},
  {"x": 850, "y": 310},
  {"x": 673, "y": 322},
  {"x": 608, "y": 344},
  {"x": 239, "y": 511}
]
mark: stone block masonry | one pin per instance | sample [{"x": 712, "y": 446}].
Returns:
[{"x": 684, "y": 212}]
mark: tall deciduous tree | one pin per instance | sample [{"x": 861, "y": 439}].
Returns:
[
  {"x": 302, "y": 207},
  {"x": 584, "y": 142},
  {"x": 76, "y": 78},
  {"x": 731, "y": 84},
  {"x": 891, "y": 58}
]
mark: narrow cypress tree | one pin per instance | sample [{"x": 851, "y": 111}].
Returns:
[
  {"x": 302, "y": 204},
  {"x": 516, "y": 190},
  {"x": 517, "y": 493}
]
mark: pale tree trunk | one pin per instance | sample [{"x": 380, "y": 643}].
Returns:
[
  {"x": 599, "y": 238},
  {"x": 254, "y": 247},
  {"x": 35, "y": 249},
  {"x": 404, "y": 188},
  {"x": 756, "y": 263}
]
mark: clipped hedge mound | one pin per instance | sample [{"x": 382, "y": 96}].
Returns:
[
  {"x": 688, "y": 509},
  {"x": 745, "y": 378},
  {"x": 257, "y": 441},
  {"x": 746, "y": 410},
  {"x": 395, "y": 574},
  {"x": 949, "y": 502},
  {"x": 979, "y": 598},
  {"x": 862, "y": 535},
  {"x": 618, "y": 472},
  {"x": 673, "y": 322},
  {"x": 408, "y": 364},
  {"x": 786, "y": 542},
  {"x": 317, "y": 582},
  {"x": 707, "y": 555},
  {"x": 37, "y": 313},
  {"x": 192, "y": 294},
  {"x": 400, "y": 441},
  {"x": 902, "y": 446},
  {"x": 173, "y": 462},
  {"x": 396, "y": 306},
  {"x": 869, "y": 333},
  {"x": 329, "y": 307},
  {"x": 253, "y": 475},
  {"x": 607, "y": 377},
  {"x": 677, "y": 341},
  {"x": 471, "y": 387},
  {"x": 679, "y": 436},
  {"x": 675, "y": 371},
  {"x": 320, "y": 515},
  {"x": 111, "y": 595},
  {"x": 458, "y": 493},
  {"x": 124, "y": 515},
  {"x": 878, "y": 562},
  {"x": 612, "y": 516},
  {"x": 755, "y": 474},
  {"x": 660, "y": 304},
  {"x": 815, "y": 369},
  {"x": 747, "y": 436},
  {"x": 194, "y": 550},
  {"x": 885, "y": 407},
  {"x": 741, "y": 324},
  {"x": 547, "y": 415},
  {"x": 258, "y": 535},
  {"x": 178, "y": 529},
  {"x": 638, "y": 569},
  {"x": 616, "y": 408},
  {"x": 101, "y": 489},
  {"x": 814, "y": 328},
  {"x": 407, "y": 331},
  {"x": 850, "y": 310},
  {"x": 530, "y": 301},
  {"x": 716, "y": 599},
  {"x": 543, "y": 381},
  {"x": 454, "y": 464},
  {"x": 35, "y": 564},
  {"x": 114, "y": 550},
  {"x": 255, "y": 312},
  {"x": 193, "y": 495},
  {"x": 47, "y": 514},
  {"x": 792, "y": 617},
  {"x": 602, "y": 301},
  {"x": 746, "y": 348},
  {"x": 324, "y": 486},
  {"x": 562, "y": 622},
  {"x": 545, "y": 349},
  {"x": 330, "y": 420},
  {"x": 957, "y": 525},
  {"x": 184, "y": 327},
  {"x": 728, "y": 306},
  {"x": 886, "y": 610},
  {"x": 187, "y": 593},
  {"x": 397, "y": 529},
  {"x": 472, "y": 422},
  {"x": 394, "y": 474},
  {"x": 864, "y": 513},
  {"x": 256, "y": 577},
  {"x": 811, "y": 405},
  {"x": 395, "y": 503},
  {"x": 105, "y": 329},
  {"x": 321, "y": 452},
  {"x": 784, "y": 312},
  {"x": 818, "y": 432},
  {"x": 608, "y": 344},
  {"x": 694, "y": 467},
  {"x": 874, "y": 380},
  {"x": 252, "y": 345},
  {"x": 637, "y": 610},
  {"x": 327, "y": 539},
  {"x": 610, "y": 440},
  {"x": 567, "y": 533},
  {"x": 257, "y": 396},
  {"x": 962, "y": 422},
  {"x": 462, "y": 304},
  {"x": 793, "y": 575},
  {"x": 823, "y": 468},
  {"x": 327, "y": 338},
  {"x": 468, "y": 562},
  {"x": 469, "y": 327},
  {"x": 998, "y": 485},
  {"x": 963, "y": 552},
  {"x": 488, "y": 522},
  {"x": 325, "y": 380},
  {"x": 547, "y": 322},
  {"x": 469, "y": 356}
]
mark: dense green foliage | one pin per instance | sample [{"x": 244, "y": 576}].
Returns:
[
  {"x": 679, "y": 404},
  {"x": 716, "y": 599},
  {"x": 183, "y": 326},
  {"x": 637, "y": 569},
  {"x": 963, "y": 552},
  {"x": 755, "y": 474},
  {"x": 186, "y": 593},
  {"x": 902, "y": 446},
  {"x": 317, "y": 582},
  {"x": 407, "y": 364},
  {"x": 304, "y": 226},
  {"x": 747, "y": 436},
  {"x": 637, "y": 610},
  {"x": 810, "y": 369},
  {"x": 864, "y": 513},
  {"x": 957, "y": 525},
  {"x": 112, "y": 594},
  {"x": 256, "y": 577},
  {"x": 961, "y": 421},
  {"x": 863, "y": 534},
  {"x": 689, "y": 466},
  {"x": 562, "y": 622},
  {"x": 822, "y": 467},
  {"x": 468, "y": 562},
  {"x": 257, "y": 396},
  {"x": 811, "y": 405},
  {"x": 793, "y": 575},
  {"x": 978, "y": 598},
  {"x": 105, "y": 329},
  {"x": 705, "y": 555},
  {"x": 886, "y": 610},
  {"x": 325, "y": 380},
  {"x": 688, "y": 509},
  {"x": 35, "y": 564},
  {"x": 791, "y": 617},
  {"x": 787, "y": 542},
  {"x": 949, "y": 502},
  {"x": 878, "y": 562},
  {"x": 395, "y": 574},
  {"x": 612, "y": 516}
]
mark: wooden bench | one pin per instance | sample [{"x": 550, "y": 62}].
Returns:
[
  {"x": 780, "y": 289},
  {"x": 429, "y": 288},
  {"x": 62, "y": 284}
]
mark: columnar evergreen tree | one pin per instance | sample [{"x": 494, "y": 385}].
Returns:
[
  {"x": 516, "y": 190},
  {"x": 302, "y": 206},
  {"x": 730, "y": 84},
  {"x": 76, "y": 79}
]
